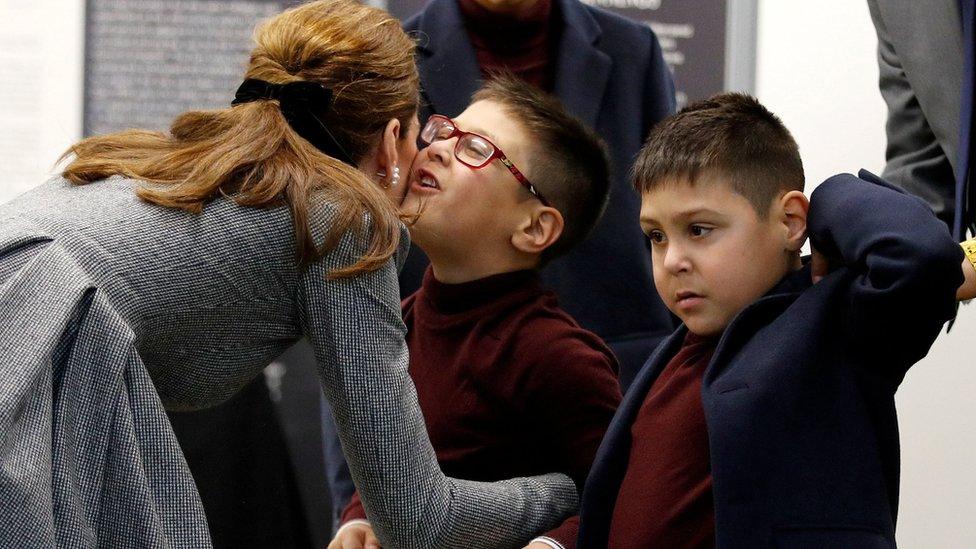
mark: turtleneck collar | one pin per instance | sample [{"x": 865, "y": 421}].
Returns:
[
  {"x": 693, "y": 340},
  {"x": 467, "y": 296},
  {"x": 503, "y": 31}
]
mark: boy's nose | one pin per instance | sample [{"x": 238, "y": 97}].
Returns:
[
  {"x": 441, "y": 151},
  {"x": 676, "y": 260}
]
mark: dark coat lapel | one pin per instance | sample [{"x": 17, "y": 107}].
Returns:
[
  {"x": 750, "y": 319},
  {"x": 645, "y": 378},
  {"x": 610, "y": 463},
  {"x": 448, "y": 66},
  {"x": 450, "y": 73},
  {"x": 582, "y": 70}
]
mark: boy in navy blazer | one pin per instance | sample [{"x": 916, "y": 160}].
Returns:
[{"x": 768, "y": 419}]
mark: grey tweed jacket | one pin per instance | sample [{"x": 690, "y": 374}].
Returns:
[{"x": 112, "y": 309}]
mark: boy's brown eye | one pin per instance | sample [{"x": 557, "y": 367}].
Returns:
[
  {"x": 656, "y": 237},
  {"x": 699, "y": 230}
]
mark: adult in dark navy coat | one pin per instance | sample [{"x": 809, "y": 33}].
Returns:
[
  {"x": 799, "y": 395},
  {"x": 609, "y": 73}
]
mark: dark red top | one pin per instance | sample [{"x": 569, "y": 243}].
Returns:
[
  {"x": 665, "y": 499},
  {"x": 508, "y": 383},
  {"x": 522, "y": 43}
]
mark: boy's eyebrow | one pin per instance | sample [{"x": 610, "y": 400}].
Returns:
[
  {"x": 648, "y": 220},
  {"x": 681, "y": 215},
  {"x": 491, "y": 137},
  {"x": 480, "y": 131}
]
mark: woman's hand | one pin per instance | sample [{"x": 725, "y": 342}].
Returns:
[{"x": 355, "y": 535}]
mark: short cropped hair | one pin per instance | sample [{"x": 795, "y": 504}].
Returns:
[
  {"x": 731, "y": 134},
  {"x": 569, "y": 165}
]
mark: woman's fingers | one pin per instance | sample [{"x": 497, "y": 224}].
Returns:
[{"x": 372, "y": 542}]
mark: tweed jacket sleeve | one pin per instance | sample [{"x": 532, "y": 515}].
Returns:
[{"x": 357, "y": 332}]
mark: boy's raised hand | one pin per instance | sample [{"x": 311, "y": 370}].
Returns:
[
  {"x": 819, "y": 265},
  {"x": 355, "y": 535}
]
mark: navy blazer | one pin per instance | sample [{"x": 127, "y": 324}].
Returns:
[
  {"x": 609, "y": 73},
  {"x": 799, "y": 395}
]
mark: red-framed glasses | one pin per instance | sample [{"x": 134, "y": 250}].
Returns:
[{"x": 473, "y": 150}]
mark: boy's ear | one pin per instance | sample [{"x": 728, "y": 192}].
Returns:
[
  {"x": 794, "y": 206},
  {"x": 541, "y": 229}
]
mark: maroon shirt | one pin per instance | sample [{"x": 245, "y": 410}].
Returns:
[
  {"x": 665, "y": 499},
  {"x": 508, "y": 383},
  {"x": 522, "y": 43}
]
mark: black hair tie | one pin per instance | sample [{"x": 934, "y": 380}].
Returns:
[{"x": 302, "y": 104}]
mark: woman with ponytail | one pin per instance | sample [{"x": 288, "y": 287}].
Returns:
[{"x": 165, "y": 270}]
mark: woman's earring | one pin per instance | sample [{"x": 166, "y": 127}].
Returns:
[{"x": 396, "y": 176}]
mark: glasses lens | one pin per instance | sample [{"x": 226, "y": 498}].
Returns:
[
  {"x": 474, "y": 149},
  {"x": 437, "y": 128}
]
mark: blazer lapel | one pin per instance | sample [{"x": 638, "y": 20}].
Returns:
[
  {"x": 450, "y": 73},
  {"x": 610, "y": 462},
  {"x": 582, "y": 71},
  {"x": 635, "y": 396},
  {"x": 748, "y": 320},
  {"x": 449, "y": 70}
]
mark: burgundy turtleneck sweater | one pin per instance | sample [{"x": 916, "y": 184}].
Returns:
[
  {"x": 522, "y": 43},
  {"x": 509, "y": 384},
  {"x": 665, "y": 499}
]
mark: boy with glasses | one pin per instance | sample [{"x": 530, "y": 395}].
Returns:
[{"x": 509, "y": 384}]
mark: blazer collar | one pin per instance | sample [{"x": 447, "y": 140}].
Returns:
[
  {"x": 610, "y": 462},
  {"x": 450, "y": 68},
  {"x": 634, "y": 399},
  {"x": 786, "y": 289},
  {"x": 756, "y": 314},
  {"x": 794, "y": 282},
  {"x": 582, "y": 70}
]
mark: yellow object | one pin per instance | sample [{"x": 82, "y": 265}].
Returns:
[{"x": 969, "y": 247}]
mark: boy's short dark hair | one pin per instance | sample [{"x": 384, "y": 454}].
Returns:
[
  {"x": 732, "y": 134},
  {"x": 569, "y": 161}
]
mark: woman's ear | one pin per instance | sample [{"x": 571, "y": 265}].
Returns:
[
  {"x": 795, "y": 206},
  {"x": 540, "y": 230},
  {"x": 386, "y": 151}
]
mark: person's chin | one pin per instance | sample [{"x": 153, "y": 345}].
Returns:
[
  {"x": 701, "y": 324},
  {"x": 421, "y": 233},
  {"x": 412, "y": 204}
]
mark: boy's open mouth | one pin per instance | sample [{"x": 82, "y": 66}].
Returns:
[{"x": 426, "y": 180}]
